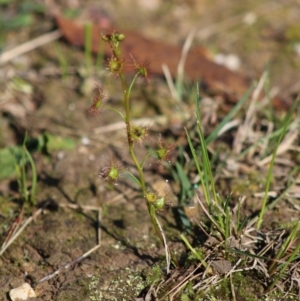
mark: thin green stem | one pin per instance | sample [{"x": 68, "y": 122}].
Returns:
[
  {"x": 88, "y": 46},
  {"x": 155, "y": 222},
  {"x": 140, "y": 166},
  {"x": 264, "y": 204},
  {"x": 132, "y": 82},
  {"x": 128, "y": 128},
  {"x": 196, "y": 254},
  {"x": 144, "y": 160},
  {"x": 116, "y": 111},
  {"x": 126, "y": 94}
]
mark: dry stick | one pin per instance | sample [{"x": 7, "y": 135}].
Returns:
[
  {"x": 183, "y": 282},
  {"x": 85, "y": 207},
  {"x": 68, "y": 265},
  {"x": 166, "y": 246},
  {"x": 30, "y": 45},
  {"x": 206, "y": 283},
  {"x": 243, "y": 130},
  {"x": 180, "y": 68},
  {"x": 13, "y": 228},
  {"x": 185, "y": 50},
  {"x": 169, "y": 80},
  {"x": 232, "y": 288},
  {"x": 228, "y": 126},
  {"x": 120, "y": 125},
  {"x": 12, "y": 239},
  {"x": 206, "y": 212},
  {"x": 283, "y": 147}
]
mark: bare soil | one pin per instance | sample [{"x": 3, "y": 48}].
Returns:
[{"x": 68, "y": 172}]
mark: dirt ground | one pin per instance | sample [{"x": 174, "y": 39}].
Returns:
[{"x": 51, "y": 105}]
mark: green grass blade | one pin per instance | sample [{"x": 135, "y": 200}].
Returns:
[
  {"x": 186, "y": 186},
  {"x": 195, "y": 253},
  {"x": 291, "y": 258},
  {"x": 208, "y": 176},
  {"x": 32, "y": 195},
  {"x": 269, "y": 177},
  {"x": 88, "y": 45},
  {"x": 204, "y": 186},
  {"x": 207, "y": 170},
  {"x": 23, "y": 184}
]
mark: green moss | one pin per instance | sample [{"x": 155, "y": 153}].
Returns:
[
  {"x": 155, "y": 274},
  {"x": 126, "y": 286},
  {"x": 246, "y": 288}
]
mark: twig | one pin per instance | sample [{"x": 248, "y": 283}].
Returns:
[
  {"x": 13, "y": 229},
  {"x": 121, "y": 125},
  {"x": 28, "y": 46},
  {"x": 283, "y": 147},
  {"x": 13, "y": 238},
  {"x": 244, "y": 128},
  {"x": 232, "y": 288},
  {"x": 68, "y": 265},
  {"x": 185, "y": 50},
  {"x": 166, "y": 247},
  {"x": 169, "y": 80},
  {"x": 183, "y": 282}
]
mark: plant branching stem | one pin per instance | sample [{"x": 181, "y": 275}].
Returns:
[
  {"x": 126, "y": 95},
  {"x": 139, "y": 166}
]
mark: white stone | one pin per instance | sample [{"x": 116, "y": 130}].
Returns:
[
  {"x": 85, "y": 140},
  {"x": 250, "y": 18},
  {"x": 23, "y": 292},
  {"x": 231, "y": 61}
]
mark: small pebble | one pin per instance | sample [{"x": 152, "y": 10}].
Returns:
[
  {"x": 250, "y": 18},
  {"x": 23, "y": 292},
  {"x": 231, "y": 61},
  {"x": 85, "y": 141},
  {"x": 72, "y": 106}
]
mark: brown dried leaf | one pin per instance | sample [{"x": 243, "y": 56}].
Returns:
[{"x": 198, "y": 66}]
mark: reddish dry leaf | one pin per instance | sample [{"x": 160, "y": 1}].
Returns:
[{"x": 198, "y": 67}]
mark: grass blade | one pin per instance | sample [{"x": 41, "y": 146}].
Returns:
[{"x": 263, "y": 209}]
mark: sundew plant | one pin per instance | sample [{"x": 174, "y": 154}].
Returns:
[{"x": 136, "y": 134}]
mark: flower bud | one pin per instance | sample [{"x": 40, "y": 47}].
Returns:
[
  {"x": 151, "y": 197},
  {"x": 138, "y": 133},
  {"x": 156, "y": 201},
  {"x": 115, "y": 66},
  {"x": 111, "y": 172},
  {"x": 159, "y": 203},
  {"x": 120, "y": 37}
]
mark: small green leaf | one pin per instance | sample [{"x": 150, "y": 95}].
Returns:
[
  {"x": 9, "y": 158},
  {"x": 19, "y": 84},
  {"x": 54, "y": 143}
]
